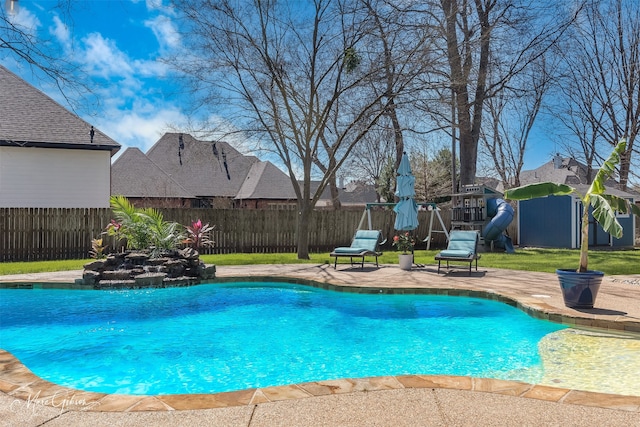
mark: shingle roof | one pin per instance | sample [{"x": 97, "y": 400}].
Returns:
[
  {"x": 208, "y": 169},
  {"x": 198, "y": 169},
  {"x": 266, "y": 181},
  {"x": 31, "y": 118},
  {"x": 354, "y": 194},
  {"x": 358, "y": 194},
  {"x": 570, "y": 172},
  {"x": 133, "y": 174}
]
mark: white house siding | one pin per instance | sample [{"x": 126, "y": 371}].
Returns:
[{"x": 33, "y": 177}]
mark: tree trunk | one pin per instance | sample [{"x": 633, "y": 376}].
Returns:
[
  {"x": 468, "y": 157},
  {"x": 584, "y": 241},
  {"x": 335, "y": 194},
  {"x": 397, "y": 131},
  {"x": 302, "y": 229}
]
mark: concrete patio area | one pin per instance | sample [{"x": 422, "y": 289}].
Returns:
[{"x": 411, "y": 400}]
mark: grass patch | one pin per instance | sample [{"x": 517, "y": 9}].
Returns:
[
  {"x": 42, "y": 266},
  {"x": 544, "y": 260}
]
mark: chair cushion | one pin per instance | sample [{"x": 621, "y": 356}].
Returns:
[
  {"x": 367, "y": 234},
  {"x": 453, "y": 253},
  {"x": 463, "y": 235},
  {"x": 463, "y": 243},
  {"x": 350, "y": 251}
]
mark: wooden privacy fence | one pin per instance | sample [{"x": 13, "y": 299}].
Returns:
[{"x": 35, "y": 234}]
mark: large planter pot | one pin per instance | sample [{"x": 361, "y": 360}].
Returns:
[
  {"x": 406, "y": 261},
  {"x": 579, "y": 290}
]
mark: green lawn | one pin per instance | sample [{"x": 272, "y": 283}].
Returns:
[{"x": 611, "y": 262}]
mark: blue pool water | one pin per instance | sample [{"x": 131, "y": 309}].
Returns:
[{"x": 214, "y": 338}]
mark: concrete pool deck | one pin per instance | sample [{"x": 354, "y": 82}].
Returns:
[{"x": 410, "y": 400}]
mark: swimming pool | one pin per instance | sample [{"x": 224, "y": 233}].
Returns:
[{"x": 214, "y": 338}]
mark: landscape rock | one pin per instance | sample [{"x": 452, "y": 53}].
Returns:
[{"x": 138, "y": 270}]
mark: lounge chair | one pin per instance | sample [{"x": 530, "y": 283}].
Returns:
[
  {"x": 365, "y": 243},
  {"x": 463, "y": 247}
]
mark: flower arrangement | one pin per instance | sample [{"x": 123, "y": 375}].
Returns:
[{"x": 404, "y": 242}]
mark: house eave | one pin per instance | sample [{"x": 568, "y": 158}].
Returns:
[{"x": 102, "y": 147}]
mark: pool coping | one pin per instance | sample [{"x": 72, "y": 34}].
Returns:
[{"x": 17, "y": 381}]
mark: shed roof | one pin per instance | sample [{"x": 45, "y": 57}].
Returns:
[
  {"x": 133, "y": 174},
  {"x": 31, "y": 118}
]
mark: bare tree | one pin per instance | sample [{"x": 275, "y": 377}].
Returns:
[
  {"x": 371, "y": 155},
  {"x": 294, "y": 75},
  {"x": 511, "y": 116},
  {"x": 601, "y": 85},
  {"x": 404, "y": 46},
  {"x": 487, "y": 43}
]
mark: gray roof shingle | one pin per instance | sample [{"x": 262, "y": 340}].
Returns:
[
  {"x": 266, "y": 181},
  {"x": 31, "y": 118},
  {"x": 133, "y": 174},
  {"x": 198, "y": 170},
  {"x": 203, "y": 172}
]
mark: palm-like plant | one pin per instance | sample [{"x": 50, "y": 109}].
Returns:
[
  {"x": 142, "y": 228},
  {"x": 163, "y": 235},
  {"x": 604, "y": 205}
]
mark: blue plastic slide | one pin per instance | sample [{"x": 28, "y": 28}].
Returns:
[{"x": 501, "y": 214}]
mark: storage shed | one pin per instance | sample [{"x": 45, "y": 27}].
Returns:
[{"x": 554, "y": 221}]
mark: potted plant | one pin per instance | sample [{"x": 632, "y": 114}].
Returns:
[
  {"x": 581, "y": 286},
  {"x": 405, "y": 242}
]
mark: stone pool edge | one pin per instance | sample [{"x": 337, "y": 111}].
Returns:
[{"x": 17, "y": 381}]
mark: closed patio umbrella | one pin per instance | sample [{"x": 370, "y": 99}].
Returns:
[{"x": 406, "y": 210}]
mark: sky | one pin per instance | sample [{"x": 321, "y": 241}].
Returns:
[{"x": 119, "y": 44}]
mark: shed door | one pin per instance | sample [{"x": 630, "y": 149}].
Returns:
[{"x": 597, "y": 236}]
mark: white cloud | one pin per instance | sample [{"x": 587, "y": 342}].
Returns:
[
  {"x": 27, "y": 21},
  {"x": 134, "y": 95},
  {"x": 61, "y": 32},
  {"x": 103, "y": 58},
  {"x": 165, "y": 32},
  {"x": 158, "y": 5},
  {"x": 140, "y": 126}
]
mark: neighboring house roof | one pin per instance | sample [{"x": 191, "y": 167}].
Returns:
[
  {"x": 133, "y": 174},
  {"x": 358, "y": 194},
  {"x": 355, "y": 193},
  {"x": 32, "y": 119},
  {"x": 197, "y": 169},
  {"x": 266, "y": 181},
  {"x": 203, "y": 168},
  {"x": 567, "y": 170},
  {"x": 562, "y": 170}
]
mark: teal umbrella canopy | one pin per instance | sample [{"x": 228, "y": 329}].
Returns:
[
  {"x": 406, "y": 210},
  {"x": 405, "y": 186},
  {"x": 406, "y": 215},
  {"x": 405, "y": 166}
]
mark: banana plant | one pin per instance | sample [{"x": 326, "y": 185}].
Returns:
[{"x": 604, "y": 205}]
